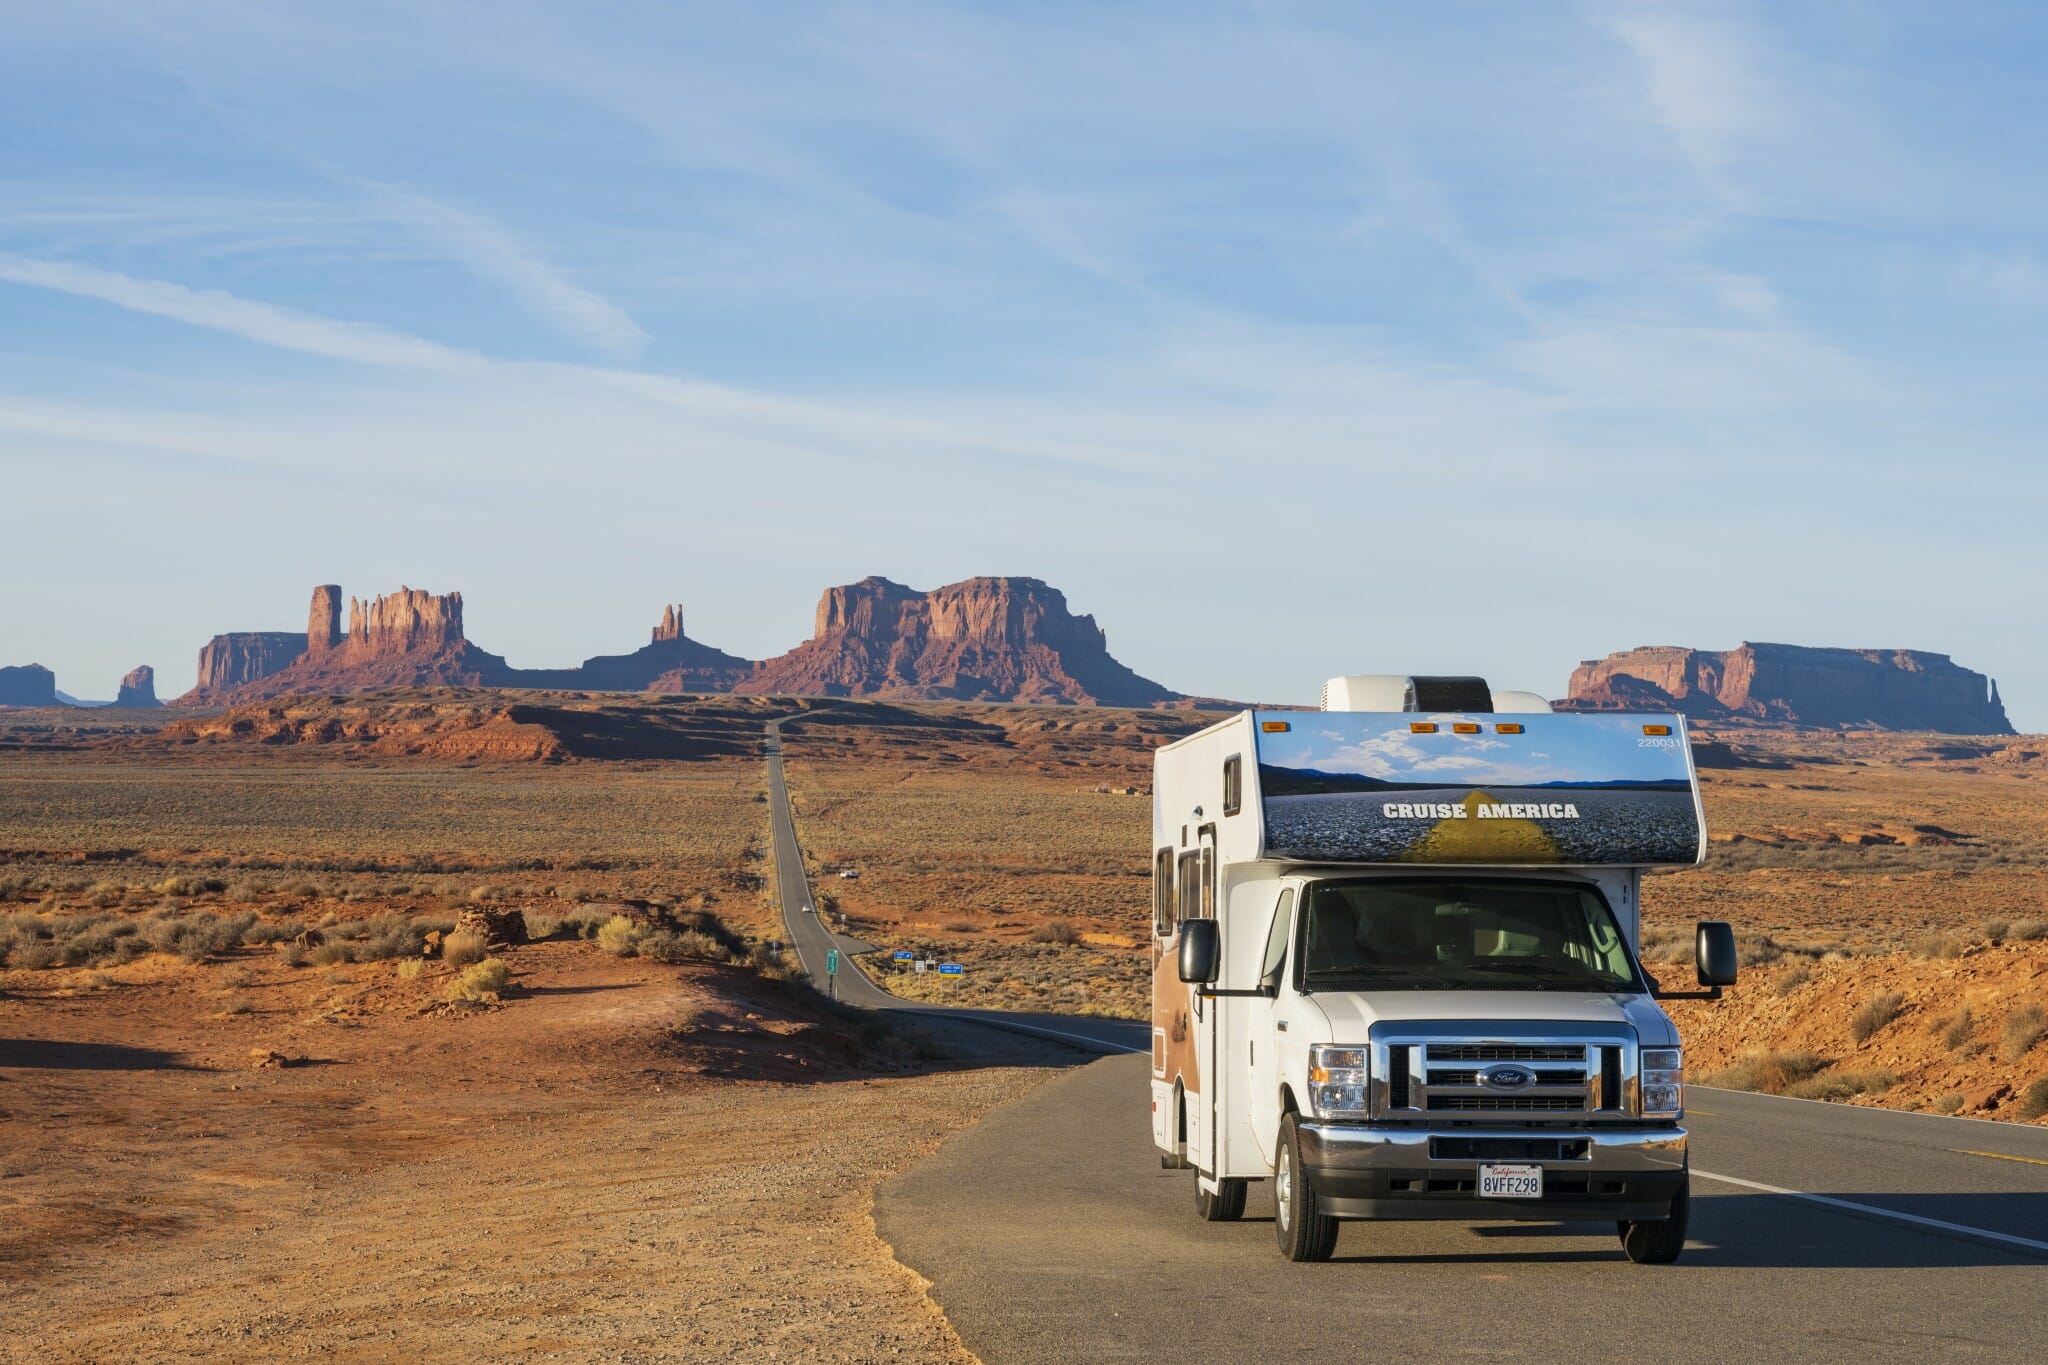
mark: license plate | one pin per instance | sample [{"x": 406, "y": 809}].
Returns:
[{"x": 1510, "y": 1182}]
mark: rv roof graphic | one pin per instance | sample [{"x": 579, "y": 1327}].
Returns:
[{"x": 1605, "y": 790}]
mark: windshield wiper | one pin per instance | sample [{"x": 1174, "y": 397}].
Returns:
[{"x": 1547, "y": 973}]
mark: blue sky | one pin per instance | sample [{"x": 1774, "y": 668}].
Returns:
[
  {"x": 1581, "y": 748},
  {"x": 1289, "y": 340}
]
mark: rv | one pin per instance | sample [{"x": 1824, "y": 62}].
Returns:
[{"x": 1395, "y": 962}]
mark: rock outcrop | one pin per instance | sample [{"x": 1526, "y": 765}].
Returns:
[
  {"x": 985, "y": 639},
  {"x": 410, "y": 638},
  {"x": 138, "y": 689},
  {"x": 1795, "y": 685},
  {"x": 670, "y": 662},
  {"x": 28, "y": 685},
  {"x": 242, "y": 657}
]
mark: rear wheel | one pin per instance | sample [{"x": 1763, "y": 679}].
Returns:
[
  {"x": 1224, "y": 1206},
  {"x": 1660, "y": 1243},
  {"x": 1306, "y": 1233}
]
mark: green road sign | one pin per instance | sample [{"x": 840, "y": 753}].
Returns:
[{"x": 832, "y": 962}]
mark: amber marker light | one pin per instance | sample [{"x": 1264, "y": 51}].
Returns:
[
  {"x": 1275, "y": 727},
  {"x": 1421, "y": 727},
  {"x": 1656, "y": 729},
  {"x": 1464, "y": 727},
  {"x": 1507, "y": 729}
]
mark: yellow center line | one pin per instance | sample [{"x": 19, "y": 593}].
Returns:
[
  {"x": 1705, "y": 1113},
  {"x": 1999, "y": 1156}
]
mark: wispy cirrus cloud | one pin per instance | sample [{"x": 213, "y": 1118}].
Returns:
[{"x": 264, "y": 323}]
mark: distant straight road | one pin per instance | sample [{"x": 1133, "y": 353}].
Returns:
[
  {"x": 813, "y": 938},
  {"x": 1819, "y": 1232}
]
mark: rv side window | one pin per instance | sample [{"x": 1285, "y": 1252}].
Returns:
[
  {"x": 1233, "y": 784},
  {"x": 1189, "y": 884},
  {"x": 1162, "y": 893},
  {"x": 1276, "y": 941}
]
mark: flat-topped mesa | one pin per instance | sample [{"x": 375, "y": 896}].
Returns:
[
  {"x": 138, "y": 689},
  {"x": 409, "y": 621},
  {"x": 28, "y": 685},
  {"x": 1796, "y": 685},
  {"x": 242, "y": 657},
  {"x": 983, "y": 639}
]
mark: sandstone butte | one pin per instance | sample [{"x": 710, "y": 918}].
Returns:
[
  {"x": 138, "y": 689},
  {"x": 1795, "y": 685}
]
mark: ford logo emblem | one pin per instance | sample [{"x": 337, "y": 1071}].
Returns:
[{"x": 1506, "y": 1077}]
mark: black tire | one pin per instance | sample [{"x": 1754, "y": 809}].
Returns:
[
  {"x": 1306, "y": 1233},
  {"x": 1224, "y": 1206},
  {"x": 1660, "y": 1243}
]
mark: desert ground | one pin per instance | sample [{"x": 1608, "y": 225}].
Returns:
[{"x": 258, "y": 1097}]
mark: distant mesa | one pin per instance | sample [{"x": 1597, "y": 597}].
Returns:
[
  {"x": 138, "y": 689},
  {"x": 1795, "y": 685},
  {"x": 28, "y": 685},
  {"x": 984, "y": 639}
]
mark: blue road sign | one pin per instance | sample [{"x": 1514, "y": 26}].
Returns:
[
  {"x": 951, "y": 969},
  {"x": 831, "y": 961},
  {"x": 903, "y": 955}
]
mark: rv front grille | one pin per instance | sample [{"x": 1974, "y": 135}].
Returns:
[
  {"x": 1516, "y": 1104},
  {"x": 1544, "y": 1076},
  {"x": 1507, "y": 1052}
]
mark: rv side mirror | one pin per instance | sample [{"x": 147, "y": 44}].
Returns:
[
  {"x": 1714, "y": 951},
  {"x": 1200, "y": 950}
]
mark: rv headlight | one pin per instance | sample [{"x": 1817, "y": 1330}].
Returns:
[
  {"x": 1663, "y": 1082},
  {"x": 1337, "y": 1080}
]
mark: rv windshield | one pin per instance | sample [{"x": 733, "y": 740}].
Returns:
[{"x": 1452, "y": 933}]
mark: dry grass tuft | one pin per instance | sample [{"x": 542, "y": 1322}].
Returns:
[
  {"x": 2034, "y": 1099},
  {"x": 1843, "y": 1085},
  {"x": 1792, "y": 978},
  {"x": 410, "y": 968},
  {"x": 1876, "y": 1012},
  {"x": 2027, "y": 931},
  {"x": 1958, "y": 1029},
  {"x": 2024, "y": 1027},
  {"x": 1766, "y": 1073},
  {"x": 1056, "y": 931}
]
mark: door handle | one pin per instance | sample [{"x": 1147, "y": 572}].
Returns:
[{"x": 1280, "y": 1024}]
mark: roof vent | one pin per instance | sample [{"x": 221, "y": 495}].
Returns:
[{"x": 1470, "y": 695}]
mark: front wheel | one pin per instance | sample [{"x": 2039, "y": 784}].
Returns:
[
  {"x": 1660, "y": 1242},
  {"x": 1306, "y": 1233},
  {"x": 1224, "y": 1206}
]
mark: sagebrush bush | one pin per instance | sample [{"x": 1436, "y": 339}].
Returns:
[
  {"x": 2024, "y": 1027},
  {"x": 1792, "y": 978},
  {"x": 1959, "y": 1028},
  {"x": 291, "y": 954},
  {"x": 1939, "y": 945},
  {"x": 481, "y": 981},
  {"x": 619, "y": 936},
  {"x": 1947, "y": 1104},
  {"x": 459, "y": 950},
  {"x": 2034, "y": 1099},
  {"x": 2027, "y": 930},
  {"x": 330, "y": 954},
  {"x": 1843, "y": 1085},
  {"x": 1874, "y": 1014},
  {"x": 1056, "y": 931},
  {"x": 410, "y": 969}
]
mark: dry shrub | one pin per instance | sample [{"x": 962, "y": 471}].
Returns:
[
  {"x": 619, "y": 936},
  {"x": 1767, "y": 1073},
  {"x": 685, "y": 1022},
  {"x": 2027, "y": 930},
  {"x": 482, "y": 981},
  {"x": 330, "y": 954},
  {"x": 2034, "y": 1099},
  {"x": 959, "y": 926},
  {"x": 410, "y": 968},
  {"x": 2024, "y": 1027},
  {"x": 291, "y": 954},
  {"x": 1843, "y": 1085},
  {"x": 236, "y": 1004},
  {"x": 1792, "y": 978},
  {"x": 459, "y": 950},
  {"x": 1947, "y": 1104},
  {"x": 1959, "y": 1028},
  {"x": 35, "y": 955},
  {"x": 1994, "y": 930},
  {"x": 1939, "y": 945},
  {"x": 1056, "y": 931},
  {"x": 1874, "y": 1014}
]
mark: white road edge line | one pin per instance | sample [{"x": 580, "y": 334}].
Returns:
[{"x": 1876, "y": 1212}]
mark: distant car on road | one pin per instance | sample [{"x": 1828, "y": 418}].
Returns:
[
  {"x": 809, "y": 910},
  {"x": 849, "y": 874}
]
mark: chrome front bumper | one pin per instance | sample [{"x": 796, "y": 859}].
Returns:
[{"x": 1628, "y": 1173}]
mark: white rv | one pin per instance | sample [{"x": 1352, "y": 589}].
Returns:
[{"x": 1395, "y": 962}]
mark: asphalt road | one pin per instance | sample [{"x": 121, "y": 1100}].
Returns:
[
  {"x": 812, "y": 939},
  {"x": 1050, "y": 1234},
  {"x": 1819, "y": 1232}
]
